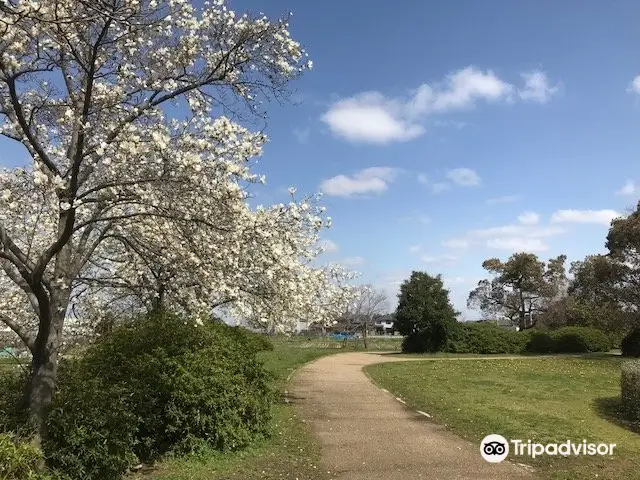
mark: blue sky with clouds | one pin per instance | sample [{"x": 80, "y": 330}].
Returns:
[{"x": 443, "y": 133}]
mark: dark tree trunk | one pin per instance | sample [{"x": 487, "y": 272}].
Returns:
[
  {"x": 522, "y": 318},
  {"x": 157, "y": 304},
  {"x": 364, "y": 335},
  {"x": 44, "y": 364}
]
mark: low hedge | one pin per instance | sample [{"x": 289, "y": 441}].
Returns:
[
  {"x": 540, "y": 342},
  {"x": 630, "y": 389},
  {"x": 580, "y": 340},
  {"x": 569, "y": 340},
  {"x": 485, "y": 338}
]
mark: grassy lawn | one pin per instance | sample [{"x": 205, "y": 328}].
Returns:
[
  {"x": 545, "y": 400},
  {"x": 290, "y": 451},
  {"x": 8, "y": 363},
  {"x": 378, "y": 343}
]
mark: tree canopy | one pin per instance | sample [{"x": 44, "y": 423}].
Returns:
[
  {"x": 135, "y": 194},
  {"x": 521, "y": 287},
  {"x": 424, "y": 306}
]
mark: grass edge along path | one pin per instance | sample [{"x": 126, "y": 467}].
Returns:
[{"x": 547, "y": 400}]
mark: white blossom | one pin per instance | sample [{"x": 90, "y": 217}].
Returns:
[{"x": 126, "y": 203}]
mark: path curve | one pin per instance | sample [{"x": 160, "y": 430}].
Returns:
[{"x": 366, "y": 434}]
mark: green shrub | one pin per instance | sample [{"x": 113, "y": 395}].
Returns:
[
  {"x": 485, "y": 338},
  {"x": 162, "y": 384},
  {"x": 540, "y": 342},
  {"x": 12, "y": 417},
  {"x": 254, "y": 342},
  {"x": 92, "y": 426},
  {"x": 580, "y": 340},
  {"x": 630, "y": 344},
  {"x": 630, "y": 389},
  {"x": 433, "y": 337},
  {"x": 19, "y": 460},
  {"x": 415, "y": 342}
]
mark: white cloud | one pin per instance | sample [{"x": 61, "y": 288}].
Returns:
[
  {"x": 529, "y": 218},
  {"x": 462, "y": 89},
  {"x": 329, "y": 246},
  {"x": 417, "y": 217},
  {"x": 455, "y": 280},
  {"x": 518, "y": 231},
  {"x": 602, "y": 217},
  {"x": 371, "y": 117},
  {"x": 440, "y": 187},
  {"x": 629, "y": 188},
  {"x": 524, "y": 236},
  {"x": 634, "y": 86},
  {"x": 518, "y": 244},
  {"x": 456, "y": 243},
  {"x": 465, "y": 177},
  {"x": 370, "y": 180},
  {"x": 423, "y": 179},
  {"x": 449, "y": 124},
  {"x": 503, "y": 199},
  {"x": 445, "y": 258},
  {"x": 301, "y": 134},
  {"x": 352, "y": 262},
  {"x": 536, "y": 87}
]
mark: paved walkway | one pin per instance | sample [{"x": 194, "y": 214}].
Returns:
[{"x": 368, "y": 435}]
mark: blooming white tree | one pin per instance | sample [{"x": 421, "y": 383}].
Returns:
[{"x": 136, "y": 192}]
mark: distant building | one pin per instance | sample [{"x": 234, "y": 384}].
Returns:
[{"x": 384, "y": 325}]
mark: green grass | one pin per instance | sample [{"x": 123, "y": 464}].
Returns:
[
  {"x": 390, "y": 344},
  {"x": 546, "y": 400},
  {"x": 289, "y": 452},
  {"x": 9, "y": 363}
]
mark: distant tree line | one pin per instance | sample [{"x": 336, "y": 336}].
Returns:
[{"x": 601, "y": 291}]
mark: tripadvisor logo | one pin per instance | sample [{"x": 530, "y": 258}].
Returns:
[{"x": 495, "y": 448}]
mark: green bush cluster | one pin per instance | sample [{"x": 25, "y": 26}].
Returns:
[
  {"x": 252, "y": 342},
  {"x": 485, "y": 338},
  {"x": 161, "y": 384},
  {"x": 630, "y": 344},
  {"x": 569, "y": 340},
  {"x": 416, "y": 342},
  {"x": 630, "y": 389},
  {"x": 19, "y": 460},
  {"x": 580, "y": 340},
  {"x": 540, "y": 342}
]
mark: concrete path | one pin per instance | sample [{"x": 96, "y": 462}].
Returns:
[{"x": 366, "y": 434}]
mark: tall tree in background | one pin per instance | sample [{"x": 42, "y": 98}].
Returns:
[
  {"x": 623, "y": 242},
  {"x": 137, "y": 184},
  {"x": 424, "y": 307},
  {"x": 522, "y": 287}
]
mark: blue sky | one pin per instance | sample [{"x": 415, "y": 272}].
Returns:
[{"x": 444, "y": 133}]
